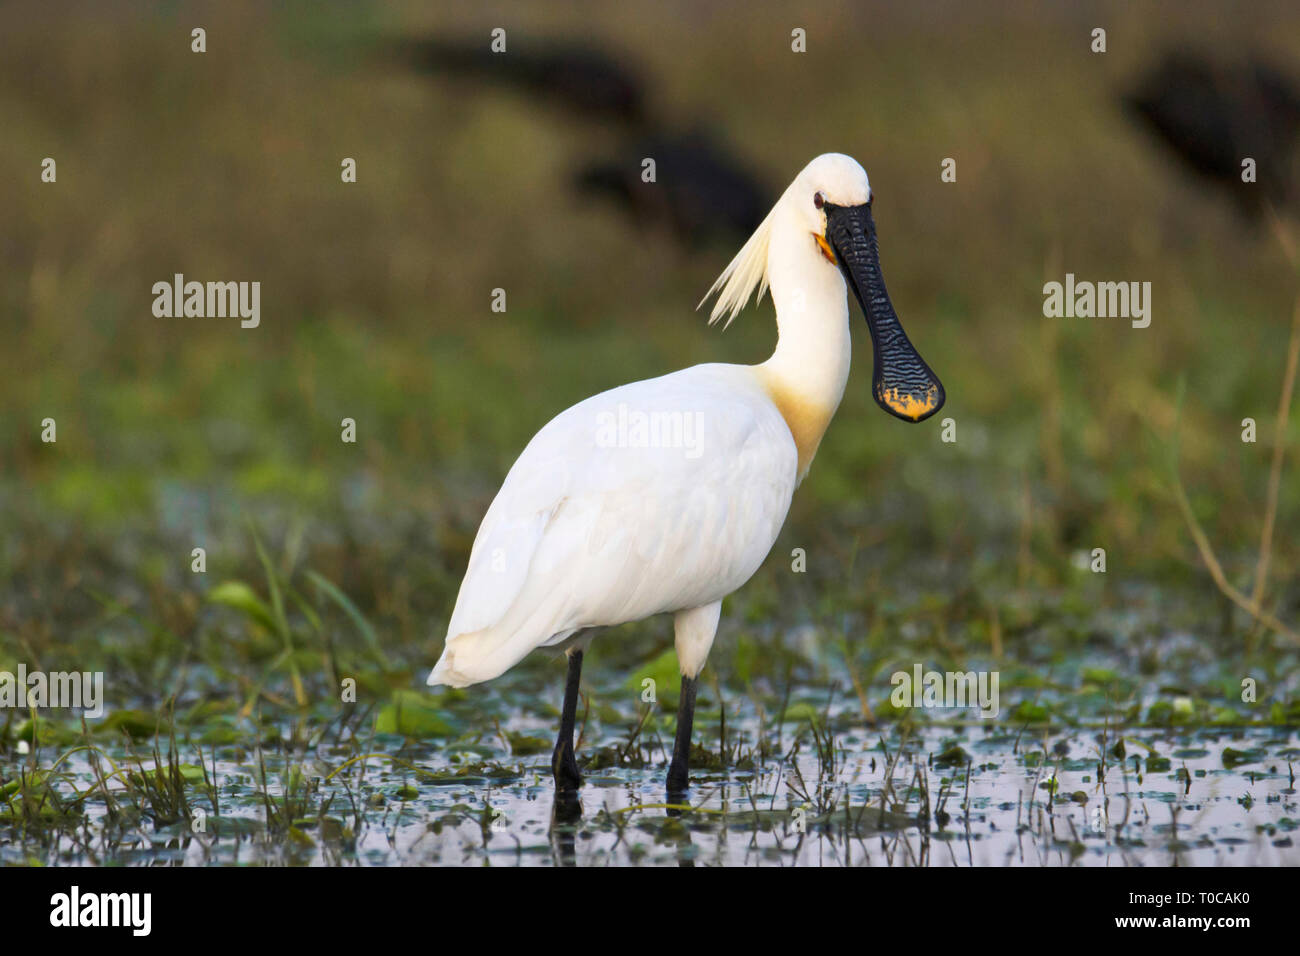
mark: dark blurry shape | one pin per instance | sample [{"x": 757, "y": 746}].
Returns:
[
  {"x": 579, "y": 78},
  {"x": 1215, "y": 116},
  {"x": 700, "y": 191}
]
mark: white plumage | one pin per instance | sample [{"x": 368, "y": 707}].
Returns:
[{"x": 585, "y": 533}]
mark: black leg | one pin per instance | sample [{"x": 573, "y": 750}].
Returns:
[
  {"x": 678, "y": 777},
  {"x": 563, "y": 763}
]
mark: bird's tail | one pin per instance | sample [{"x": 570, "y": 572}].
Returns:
[
  {"x": 459, "y": 666},
  {"x": 477, "y": 656}
]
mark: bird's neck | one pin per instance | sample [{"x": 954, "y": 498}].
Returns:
[{"x": 806, "y": 375}]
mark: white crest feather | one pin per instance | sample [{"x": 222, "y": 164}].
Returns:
[{"x": 745, "y": 273}]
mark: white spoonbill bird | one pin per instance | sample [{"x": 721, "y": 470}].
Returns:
[{"x": 665, "y": 496}]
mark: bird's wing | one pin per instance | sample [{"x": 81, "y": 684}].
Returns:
[{"x": 656, "y": 496}]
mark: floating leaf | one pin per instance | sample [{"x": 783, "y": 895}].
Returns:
[
  {"x": 412, "y": 714},
  {"x": 1235, "y": 758},
  {"x": 953, "y": 756},
  {"x": 800, "y": 712},
  {"x": 1100, "y": 675},
  {"x": 140, "y": 724},
  {"x": 522, "y": 745},
  {"x": 190, "y": 774},
  {"x": 1029, "y": 712}
]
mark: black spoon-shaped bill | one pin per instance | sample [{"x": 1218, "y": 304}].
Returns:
[{"x": 901, "y": 382}]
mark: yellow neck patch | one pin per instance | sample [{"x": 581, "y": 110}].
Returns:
[{"x": 806, "y": 419}]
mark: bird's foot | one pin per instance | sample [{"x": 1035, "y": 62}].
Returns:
[
  {"x": 678, "y": 781},
  {"x": 564, "y": 767},
  {"x": 566, "y": 811}
]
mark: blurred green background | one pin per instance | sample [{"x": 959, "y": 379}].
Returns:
[{"x": 177, "y": 433}]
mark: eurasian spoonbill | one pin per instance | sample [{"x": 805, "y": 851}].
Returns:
[{"x": 594, "y": 528}]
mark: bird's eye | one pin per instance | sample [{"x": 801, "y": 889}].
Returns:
[{"x": 819, "y": 200}]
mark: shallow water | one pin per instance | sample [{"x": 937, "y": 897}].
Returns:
[
  {"x": 1119, "y": 740},
  {"x": 1211, "y": 797}
]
